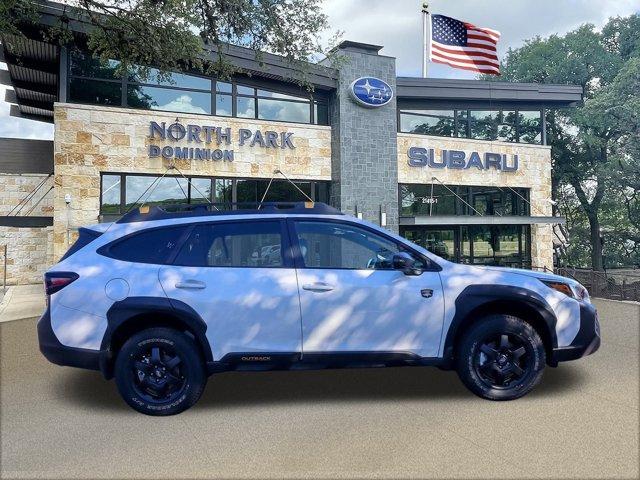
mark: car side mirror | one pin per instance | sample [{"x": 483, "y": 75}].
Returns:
[{"x": 406, "y": 263}]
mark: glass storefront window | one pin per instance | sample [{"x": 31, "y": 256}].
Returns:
[
  {"x": 92, "y": 81},
  {"x": 418, "y": 200},
  {"x": 95, "y": 92},
  {"x": 242, "y": 90},
  {"x": 483, "y": 125},
  {"x": 180, "y": 80},
  {"x": 530, "y": 127},
  {"x": 246, "y": 107},
  {"x": 462, "y": 123},
  {"x": 503, "y": 125},
  {"x": 321, "y": 113},
  {"x": 157, "y": 98},
  {"x": 246, "y": 191},
  {"x": 286, "y": 111},
  {"x": 110, "y": 197},
  {"x": 267, "y": 93},
  {"x": 84, "y": 64},
  {"x": 224, "y": 87},
  {"x": 200, "y": 190},
  {"x": 142, "y": 189},
  {"x": 453, "y": 199},
  {"x": 223, "y": 191},
  {"x": 501, "y": 245},
  {"x": 428, "y": 122},
  {"x": 283, "y": 191},
  {"x": 224, "y": 105},
  {"x": 506, "y": 121}
]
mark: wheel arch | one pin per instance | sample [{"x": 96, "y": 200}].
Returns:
[
  {"x": 134, "y": 314},
  {"x": 479, "y": 301}
]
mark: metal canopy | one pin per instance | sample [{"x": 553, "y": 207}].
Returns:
[
  {"x": 469, "y": 92},
  {"x": 480, "y": 220},
  {"x": 33, "y": 74}
]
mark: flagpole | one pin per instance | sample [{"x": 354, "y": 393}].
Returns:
[{"x": 426, "y": 37}]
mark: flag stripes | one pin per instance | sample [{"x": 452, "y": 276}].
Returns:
[{"x": 463, "y": 45}]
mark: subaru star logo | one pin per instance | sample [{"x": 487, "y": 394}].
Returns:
[{"x": 371, "y": 92}]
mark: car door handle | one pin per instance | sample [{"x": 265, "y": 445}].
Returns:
[
  {"x": 317, "y": 287},
  {"x": 191, "y": 284}
]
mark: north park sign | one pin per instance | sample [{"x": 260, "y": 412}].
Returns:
[
  {"x": 201, "y": 135},
  {"x": 457, "y": 159}
]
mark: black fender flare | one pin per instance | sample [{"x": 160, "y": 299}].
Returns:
[
  {"x": 479, "y": 297},
  {"x": 124, "y": 310}
]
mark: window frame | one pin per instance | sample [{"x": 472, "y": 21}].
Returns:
[
  {"x": 191, "y": 191},
  {"x": 469, "y": 193},
  {"x": 429, "y": 264},
  {"x": 105, "y": 250},
  {"x": 285, "y": 243},
  {"x": 462, "y": 129},
  {"x": 125, "y": 82}
]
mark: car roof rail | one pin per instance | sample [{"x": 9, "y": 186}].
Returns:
[{"x": 147, "y": 213}]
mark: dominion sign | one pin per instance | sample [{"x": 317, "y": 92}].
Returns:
[{"x": 199, "y": 136}]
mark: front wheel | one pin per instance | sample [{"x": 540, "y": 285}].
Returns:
[
  {"x": 501, "y": 357},
  {"x": 160, "y": 371}
]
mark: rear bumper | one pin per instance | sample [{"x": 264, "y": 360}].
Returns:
[
  {"x": 587, "y": 340},
  {"x": 60, "y": 354}
]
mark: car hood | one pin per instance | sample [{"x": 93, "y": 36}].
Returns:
[{"x": 546, "y": 276}]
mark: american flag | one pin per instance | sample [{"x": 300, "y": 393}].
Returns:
[{"x": 463, "y": 45}]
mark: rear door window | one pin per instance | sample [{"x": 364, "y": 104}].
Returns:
[
  {"x": 156, "y": 245},
  {"x": 233, "y": 244}
]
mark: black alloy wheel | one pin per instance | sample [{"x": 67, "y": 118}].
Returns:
[
  {"x": 500, "y": 357},
  {"x": 503, "y": 360},
  {"x": 158, "y": 374},
  {"x": 160, "y": 371}
]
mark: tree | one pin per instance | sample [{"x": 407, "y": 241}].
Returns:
[
  {"x": 593, "y": 146},
  {"x": 172, "y": 35}
]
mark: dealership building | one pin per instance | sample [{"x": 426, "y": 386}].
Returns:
[{"x": 461, "y": 167}]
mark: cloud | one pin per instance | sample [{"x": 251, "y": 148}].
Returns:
[{"x": 397, "y": 25}]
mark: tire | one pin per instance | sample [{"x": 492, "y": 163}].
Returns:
[
  {"x": 501, "y": 357},
  {"x": 159, "y": 371}
]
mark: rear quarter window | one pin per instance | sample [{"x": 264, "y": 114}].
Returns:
[{"x": 155, "y": 245}]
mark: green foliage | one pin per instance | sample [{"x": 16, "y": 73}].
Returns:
[
  {"x": 596, "y": 146},
  {"x": 172, "y": 35}
]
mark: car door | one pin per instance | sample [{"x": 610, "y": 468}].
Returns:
[
  {"x": 236, "y": 276},
  {"x": 352, "y": 300}
]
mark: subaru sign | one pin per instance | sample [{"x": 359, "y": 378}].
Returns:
[{"x": 371, "y": 92}]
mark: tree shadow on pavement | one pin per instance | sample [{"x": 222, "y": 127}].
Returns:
[{"x": 247, "y": 389}]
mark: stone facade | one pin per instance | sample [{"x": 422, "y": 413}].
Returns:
[
  {"x": 29, "y": 250},
  {"x": 364, "y": 142},
  {"x": 15, "y": 188},
  {"x": 29, "y": 253},
  {"x": 92, "y": 139},
  {"x": 534, "y": 173}
]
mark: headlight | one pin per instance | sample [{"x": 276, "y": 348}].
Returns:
[
  {"x": 561, "y": 287},
  {"x": 574, "y": 291}
]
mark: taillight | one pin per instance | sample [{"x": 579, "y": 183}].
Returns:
[{"x": 55, "y": 281}]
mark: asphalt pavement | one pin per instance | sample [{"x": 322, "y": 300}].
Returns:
[{"x": 581, "y": 422}]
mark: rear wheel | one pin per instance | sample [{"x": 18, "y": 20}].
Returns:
[
  {"x": 501, "y": 357},
  {"x": 159, "y": 371}
]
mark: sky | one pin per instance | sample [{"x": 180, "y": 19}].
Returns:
[{"x": 397, "y": 25}]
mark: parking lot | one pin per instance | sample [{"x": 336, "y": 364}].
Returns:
[{"x": 581, "y": 422}]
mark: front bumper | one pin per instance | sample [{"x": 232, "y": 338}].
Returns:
[
  {"x": 587, "y": 340},
  {"x": 60, "y": 354}
]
